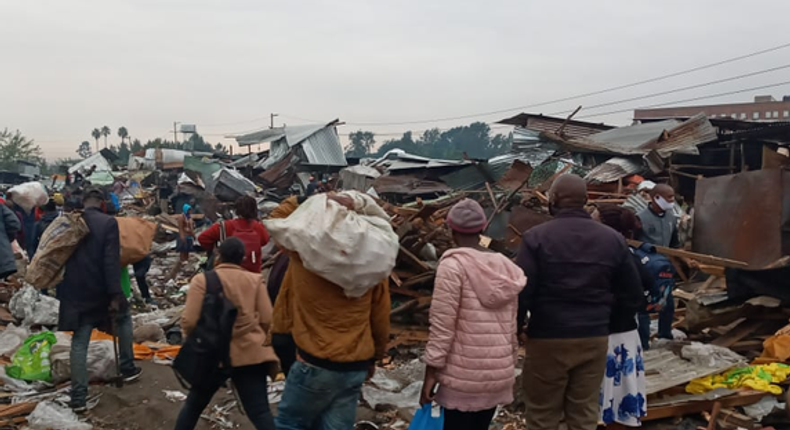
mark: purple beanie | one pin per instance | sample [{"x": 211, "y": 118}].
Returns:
[{"x": 467, "y": 216}]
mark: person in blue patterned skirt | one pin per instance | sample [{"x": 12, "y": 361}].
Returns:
[{"x": 622, "y": 398}]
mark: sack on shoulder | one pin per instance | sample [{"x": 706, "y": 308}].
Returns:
[{"x": 206, "y": 353}]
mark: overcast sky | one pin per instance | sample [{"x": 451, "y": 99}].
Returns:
[{"x": 71, "y": 66}]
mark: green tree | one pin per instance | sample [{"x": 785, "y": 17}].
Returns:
[
  {"x": 105, "y": 131},
  {"x": 361, "y": 143},
  {"x": 14, "y": 146},
  {"x": 220, "y": 149},
  {"x": 137, "y": 146},
  {"x": 124, "y": 153},
  {"x": 84, "y": 149},
  {"x": 96, "y": 133},
  {"x": 123, "y": 133}
]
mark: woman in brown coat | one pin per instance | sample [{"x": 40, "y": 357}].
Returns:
[{"x": 250, "y": 360}]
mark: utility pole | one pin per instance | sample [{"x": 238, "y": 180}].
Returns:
[
  {"x": 175, "y": 132},
  {"x": 271, "y": 117}
]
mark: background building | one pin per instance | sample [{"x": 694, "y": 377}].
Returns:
[{"x": 764, "y": 108}]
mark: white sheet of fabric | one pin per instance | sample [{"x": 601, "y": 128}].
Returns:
[
  {"x": 353, "y": 249},
  {"x": 623, "y": 398}
]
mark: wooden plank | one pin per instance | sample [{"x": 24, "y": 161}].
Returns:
[
  {"x": 679, "y": 269},
  {"x": 741, "y": 331},
  {"x": 406, "y": 292},
  {"x": 414, "y": 260},
  {"x": 743, "y": 398},
  {"x": 714, "y": 415},
  {"x": 396, "y": 279},
  {"x": 730, "y": 419},
  {"x": 10, "y": 411},
  {"x": 491, "y": 194},
  {"x": 702, "y": 258}
]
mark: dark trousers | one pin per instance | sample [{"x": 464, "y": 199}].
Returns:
[
  {"x": 665, "y": 318},
  {"x": 644, "y": 330},
  {"x": 285, "y": 348},
  {"x": 140, "y": 271},
  {"x": 478, "y": 420},
  {"x": 250, "y": 383}
]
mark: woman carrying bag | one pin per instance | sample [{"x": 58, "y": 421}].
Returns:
[
  {"x": 472, "y": 346},
  {"x": 250, "y": 361}
]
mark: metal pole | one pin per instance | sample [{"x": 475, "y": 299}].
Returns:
[{"x": 175, "y": 132}]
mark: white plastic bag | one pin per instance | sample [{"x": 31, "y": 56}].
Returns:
[
  {"x": 101, "y": 359},
  {"x": 352, "y": 249},
  {"x": 12, "y": 338},
  {"x": 33, "y": 308},
  {"x": 49, "y": 415},
  {"x": 29, "y": 195}
]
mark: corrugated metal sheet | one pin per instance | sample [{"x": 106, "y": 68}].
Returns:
[
  {"x": 744, "y": 217},
  {"x": 613, "y": 169},
  {"x": 475, "y": 177},
  {"x": 98, "y": 160},
  {"x": 542, "y": 123},
  {"x": 665, "y": 137},
  {"x": 530, "y": 148},
  {"x": 323, "y": 148}
]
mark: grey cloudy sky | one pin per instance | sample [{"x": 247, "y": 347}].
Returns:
[{"x": 71, "y": 66}]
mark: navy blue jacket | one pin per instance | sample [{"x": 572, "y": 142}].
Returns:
[
  {"x": 93, "y": 274},
  {"x": 577, "y": 270}
]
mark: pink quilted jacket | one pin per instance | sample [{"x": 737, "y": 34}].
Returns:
[{"x": 472, "y": 338}]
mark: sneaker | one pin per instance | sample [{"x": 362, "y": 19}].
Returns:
[
  {"x": 133, "y": 375},
  {"x": 78, "y": 408}
]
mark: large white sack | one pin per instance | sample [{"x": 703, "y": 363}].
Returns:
[
  {"x": 29, "y": 195},
  {"x": 353, "y": 249}
]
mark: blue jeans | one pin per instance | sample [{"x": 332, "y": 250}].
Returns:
[
  {"x": 79, "y": 355},
  {"x": 319, "y": 399}
]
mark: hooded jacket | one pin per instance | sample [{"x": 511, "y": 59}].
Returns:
[{"x": 472, "y": 340}]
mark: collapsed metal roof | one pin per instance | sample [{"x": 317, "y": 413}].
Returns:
[
  {"x": 318, "y": 144},
  {"x": 613, "y": 169},
  {"x": 665, "y": 137}
]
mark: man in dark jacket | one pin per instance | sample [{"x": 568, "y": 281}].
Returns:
[
  {"x": 577, "y": 270},
  {"x": 91, "y": 297},
  {"x": 50, "y": 213},
  {"x": 9, "y": 226}
]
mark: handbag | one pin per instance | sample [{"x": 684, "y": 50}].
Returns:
[{"x": 205, "y": 355}]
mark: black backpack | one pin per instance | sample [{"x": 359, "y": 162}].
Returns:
[{"x": 205, "y": 356}]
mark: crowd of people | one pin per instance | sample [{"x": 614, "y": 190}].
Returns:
[{"x": 577, "y": 298}]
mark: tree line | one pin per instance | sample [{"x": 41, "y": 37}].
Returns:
[
  {"x": 473, "y": 140},
  {"x": 127, "y": 146}
]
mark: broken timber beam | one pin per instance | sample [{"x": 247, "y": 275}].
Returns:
[
  {"x": 702, "y": 258},
  {"x": 742, "y": 398}
]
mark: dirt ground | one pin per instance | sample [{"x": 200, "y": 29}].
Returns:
[{"x": 142, "y": 405}]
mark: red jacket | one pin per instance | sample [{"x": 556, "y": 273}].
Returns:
[{"x": 209, "y": 238}]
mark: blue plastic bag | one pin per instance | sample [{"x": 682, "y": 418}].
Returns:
[{"x": 424, "y": 421}]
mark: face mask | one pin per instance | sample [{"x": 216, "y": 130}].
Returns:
[{"x": 663, "y": 204}]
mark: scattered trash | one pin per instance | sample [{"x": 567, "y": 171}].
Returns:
[
  {"x": 31, "y": 361},
  {"x": 12, "y": 338},
  {"x": 49, "y": 415},
  {"x": 174, "y": 395},
  {"x": 34, "y": 308}
]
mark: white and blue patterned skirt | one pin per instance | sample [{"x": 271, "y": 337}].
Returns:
[{"x": 622, "y": 398}]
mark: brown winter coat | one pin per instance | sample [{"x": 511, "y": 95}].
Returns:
[
  {"x": 322, "y": 320},
  {"x": 248, "y": 293}
]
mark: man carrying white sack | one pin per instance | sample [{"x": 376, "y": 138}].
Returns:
[{"x": 338, "y": 337}]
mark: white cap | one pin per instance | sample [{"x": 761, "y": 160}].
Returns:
[{"x": 646, "y": 186}]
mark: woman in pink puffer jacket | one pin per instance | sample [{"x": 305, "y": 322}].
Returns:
[{"x": 472, "y": 347}]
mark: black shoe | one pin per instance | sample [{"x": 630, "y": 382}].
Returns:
[
  {"x": 78, "y": 408},
  {"x": 133, "y": 375}
]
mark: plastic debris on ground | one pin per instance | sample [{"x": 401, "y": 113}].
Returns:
[
  {"x": 12, "y": 338},
  {"x": 49, "y": 415},
  {"x": 34, "y": 308},
  {"x": 101, "y": 359},
  {"x": 174, "y": 395}
]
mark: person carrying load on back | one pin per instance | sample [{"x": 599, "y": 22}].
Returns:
[
  {"x": 91, "y": 297},
  {"x": 246, "y": 227},
  {"x": 250, "y": 361},
  {"x": 186, "y": 239}
]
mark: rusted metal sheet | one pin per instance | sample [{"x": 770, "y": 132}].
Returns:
[
  {"x": 744, "y": 217},
  {"x": 573, "y": 128},
  {"x": 666, "y": 137}
]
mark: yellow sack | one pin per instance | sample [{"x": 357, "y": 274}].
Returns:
[
  {"x": 137, "y": 236},
  {"x": 761, "y": 378}
]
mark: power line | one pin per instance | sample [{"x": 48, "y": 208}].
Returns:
[
  {"x": 681, "y": 89},
  {"x": 745, "y": 90},
  {"x": 603, "y": 91}
]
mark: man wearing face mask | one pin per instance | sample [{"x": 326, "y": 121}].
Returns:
[
  {"x": 660, "y": 228},
  {"x": 659, "y": 223}
]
